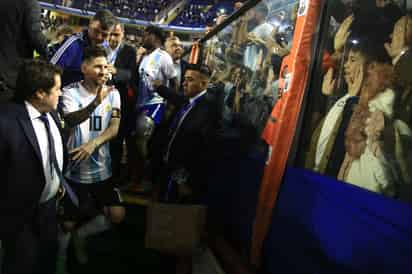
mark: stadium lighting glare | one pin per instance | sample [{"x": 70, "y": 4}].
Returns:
[
  {"x": 354, "y": 41},
  {"x": 222, "y": 11}
]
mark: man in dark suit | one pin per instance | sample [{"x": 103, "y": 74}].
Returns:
[
  {"x": 29, "y": 133},
  {"x": 20, "y": 36},
  {"x": 188, "y": 146},
  {"x": 122, "y": 58}
]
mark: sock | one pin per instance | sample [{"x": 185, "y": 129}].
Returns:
[{"x": 99, "y": 224}]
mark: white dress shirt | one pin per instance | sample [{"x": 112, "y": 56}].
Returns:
[
  {"x": 178, "y": 69},
  {"x": 113, "y": 53},
  {"x": 52, "y": 182}
]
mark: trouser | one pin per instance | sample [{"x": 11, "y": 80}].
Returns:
[{"x": 33, "y": 249}]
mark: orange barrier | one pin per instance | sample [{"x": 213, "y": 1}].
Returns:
[
  {"x": 280, "y": 129},
  {"x": 194, "y": 54}
]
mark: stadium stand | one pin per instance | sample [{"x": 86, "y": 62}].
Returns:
[
  {"x": 134, "y": 9},
  {"x": 196, "y": 13},
  {"x": 199, "y": 13}
]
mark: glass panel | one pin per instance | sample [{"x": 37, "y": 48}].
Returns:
[
  {"x": 245, "y": 58},
  {"x": 359, "y": 119}
]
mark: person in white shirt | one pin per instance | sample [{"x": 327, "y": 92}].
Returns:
[
  {"x": 156, "y": 65},
  {"x": 92, "y": 111}
]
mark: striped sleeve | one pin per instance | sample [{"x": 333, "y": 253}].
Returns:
[
  {"x": 116, "y": 104},
  {"x": 66, "y": 52},
  {"x": 70, "y": 99}
]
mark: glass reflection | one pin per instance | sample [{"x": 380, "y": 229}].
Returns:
[
  {"x": 246, "y": 57},
  {"x": 360, "y": 122}
]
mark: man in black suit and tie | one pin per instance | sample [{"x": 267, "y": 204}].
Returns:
[
  {"x": 31, "y": 160},
  {"x": 188, "y": 147},
  {"x": 122, "y": 58}
]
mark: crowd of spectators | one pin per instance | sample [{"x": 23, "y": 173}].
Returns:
[
  {"x": 135, "y": 9},
  {"x": 199, "y": 13},
  {"x": 196, "y": 13}
]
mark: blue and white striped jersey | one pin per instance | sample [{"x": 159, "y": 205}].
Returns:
[
  {"x": 158, "y": 65},
  {"x": 98, "y": 167}
]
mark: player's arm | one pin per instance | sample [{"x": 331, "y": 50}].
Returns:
[
  {"x": 111, "y": 131},
  {"x": 77, "y": 117},
  {"x": 84, "y": 151}
]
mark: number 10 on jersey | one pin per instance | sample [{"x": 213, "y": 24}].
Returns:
[{"x": 95, "y": 123}]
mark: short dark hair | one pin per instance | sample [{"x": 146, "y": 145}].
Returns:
[
  {"x": 156, "y": 31},
  {"x": 34, "y": 75},
  {"x": 201, "y": 68},
  {"x": 93, "y": 52},
  {"x": 106, "y": 19},
  {"x": 373, "y": 50}
]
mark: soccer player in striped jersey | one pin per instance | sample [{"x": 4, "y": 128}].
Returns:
[
  {"x": 92, "y": 112},
  {"x": 156, "y": 65}
]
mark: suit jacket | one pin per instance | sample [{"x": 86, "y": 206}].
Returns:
[
  {"x": 125, "y": 77},
  {"x": 21, "y": 167},
  {"x": 125, "y": 65},
  {"x": 20, "y": 35},
  {"x": 192, "y": 148}
]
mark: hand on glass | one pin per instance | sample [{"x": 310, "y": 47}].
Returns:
[
  {"x": 278, "y": 49},
  {"x": 252, "y": 38},
  {"x": 343, "y": 33},
  {"x": 328, "y": 84},
  {"x": 398, "y": 41}
]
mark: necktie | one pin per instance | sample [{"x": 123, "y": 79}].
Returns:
[
  {"x": 53, "y": 161},
  {"x": 174, "y": 126},
  {"x": 175, "y": 123}
]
